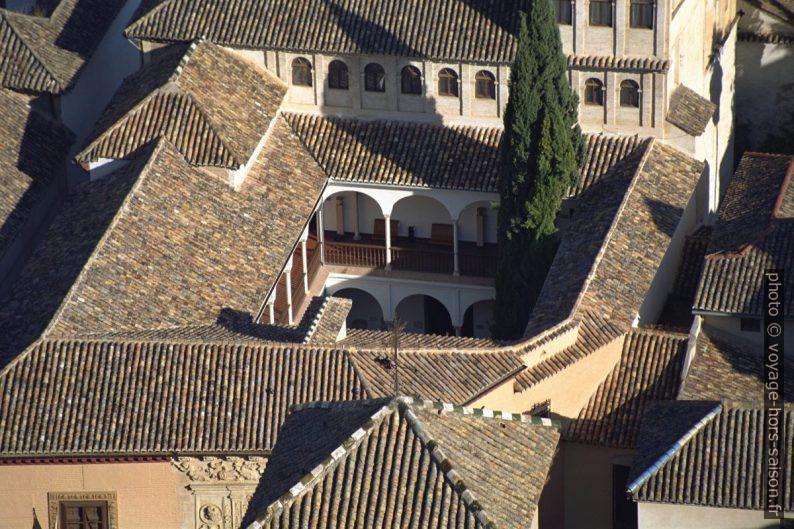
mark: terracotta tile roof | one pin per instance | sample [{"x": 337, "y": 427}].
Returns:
[
  {"x": 45, "y": 54},
  {"x": 752, "y": 233},
  {"x": 33, "y": 151},
  {"x": 783, "y": 9},
  {"x": 716, "y": 459},
  {"x": 612, "y": 63},
  {"x": 448, "y": 375},
  {"x": 727, "y": 367},
  {"x": 167, "y": 245},
  {"x": 211, "y": 104},
  {"x": 765, "y": 38},
  {"x": 425, "y": 155},
  {"x": 421, "y": 462},
  {"x": 162, "y": 396},
  {"x": 471, "y": 31},
  {"x": 689, "y": 111},
  {"x": 368, "y": 339},
  {"x": 628, "y": 221},
  {"x": 593, "y": 334},
  {"x": 649, "y": 369},
  {"x": 327, "y": 323},
  {"x": 101, "y": 398}
]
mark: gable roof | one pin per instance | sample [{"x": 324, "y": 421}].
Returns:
[
  {"x": 45, "y": 54},
  {"x": 134, "y": 247},
  {"x": 211, "y": 104},
  {"x": 33, "y": 151},
  {"x": 713, "y": 457},
  {"x": 477, "y": 31},
  {"x": 649, "y": 369},
  {"x": 689, "y": 111},
  {"x": 754, "y": 232},
  {"x": 625, "y": 223},
  {"x": 421, "y": 461},
  {"x": 725, "y": 367},
  {"x": 157, "y": 397}
]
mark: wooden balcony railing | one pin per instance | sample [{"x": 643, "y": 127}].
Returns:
[{"x": 416, "y": 259}]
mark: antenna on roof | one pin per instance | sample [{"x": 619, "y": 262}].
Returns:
[{"x": 396, "y": 330}]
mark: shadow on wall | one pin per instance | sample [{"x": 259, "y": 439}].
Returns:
[
  {"x": 79, "y": 32},
  {"x": 764, "y": 92}
]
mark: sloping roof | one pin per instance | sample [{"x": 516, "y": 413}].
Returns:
[
  {"x": 725, "y": 367},
  {"x": 405, "y": 460},
  {"x": 649, "y": 369},
  {"x": 33, "y": 151},
  {"x": 163, "y": 244},
  {"x": 624, "y": 225},
  {"x": 478, "y": 30},
  {"x": 689, "y": 111},
  {"x": 718, "y": 462},
  {"x": 783, "y": 9},
  {"x": 104, "y": 397},
  {"x": 369, "y": 338},
  {"x": 449, "y": 375},
  {"x": 211, "y": 104},
  {"x": 754, "y": 231},
  {"x": 402, "y": 153},
  {"x": 114, "y": 397},
  {"x": 593, "y": 334},
  {"x": 435, "y": 156},
  {"x": 45, "y": 54}
]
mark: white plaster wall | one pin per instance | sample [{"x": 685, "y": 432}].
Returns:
[
  {"x": 670, "y": 516},
  {"x": 732, "y": 325},
  {"x": 482, "y": 318},
  {"x": 365, "y": 309},
  {"x": 115, "y": 58},
  {"x": 411, "y": 310},
  {"x": 421, "y": 213},
  {"x": 467, "y": 223}
]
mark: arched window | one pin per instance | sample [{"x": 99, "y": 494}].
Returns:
[
  {"x": 594, "y": 92},
  {"x": 411, "y": 80},
  {"x": 338, "y": 76},
  {"x": 374, "y": 78},
  {"x": 301, "y": 72},
  {"x": 448, "y": 83},
  {"x": 629, "y": 94},
  {"x": 484, "y": 85}
]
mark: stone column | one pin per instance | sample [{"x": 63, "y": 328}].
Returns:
[
  {"x": 305, "y": 266},
  {"x": 387, "y": 219},
  {"x": 356, "y": 232},
  {"x": 321, "y": 233},
  {"x": 456, "y": 267},
  {"x": 288, "y": 284}
]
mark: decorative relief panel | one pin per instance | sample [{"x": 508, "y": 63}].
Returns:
[{"x": 221, "y": 488}]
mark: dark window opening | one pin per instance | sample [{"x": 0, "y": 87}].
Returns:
[
  {"x": 642, "y": 14},
  {"x": 624, "y": 509},
  {"x": 629, "y": 94},
  {"x": 338, "y": 76},
  {"x": 485, "y": 85},
  {"x": 411, "y": 80},
  {"x": 84, "y": 515},
  {"x": 374, "y": 78},
  {"x": 594, "y": 92},
  {"x": 301, "y": 72},
  {"x": 564, "y": 11},
  {"x": 600, "y": 12},
  {"x": 448, "y": 83},
  {"x": 750, "y": 325}
]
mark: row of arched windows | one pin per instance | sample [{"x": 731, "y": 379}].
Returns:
[
  {"x": 410, "y": 79},
  {"x": 594, "y": 93}
]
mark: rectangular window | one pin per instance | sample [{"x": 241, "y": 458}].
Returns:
[
  {"x": 751, "y": 325},
  {"x": 642, "y": 13},
  {"x": 600, "y": 12},
  {"x": 84, "y": 514},
  {"x": 564, "y": 10},
  {"x": 624, "y": 509}
]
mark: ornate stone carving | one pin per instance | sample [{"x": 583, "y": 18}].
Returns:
[
  {"x": 55, "y": 499},
  {"x": 210, "y": 469}
]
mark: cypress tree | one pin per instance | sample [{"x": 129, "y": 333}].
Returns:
[{"x": 541, "y": 151}]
